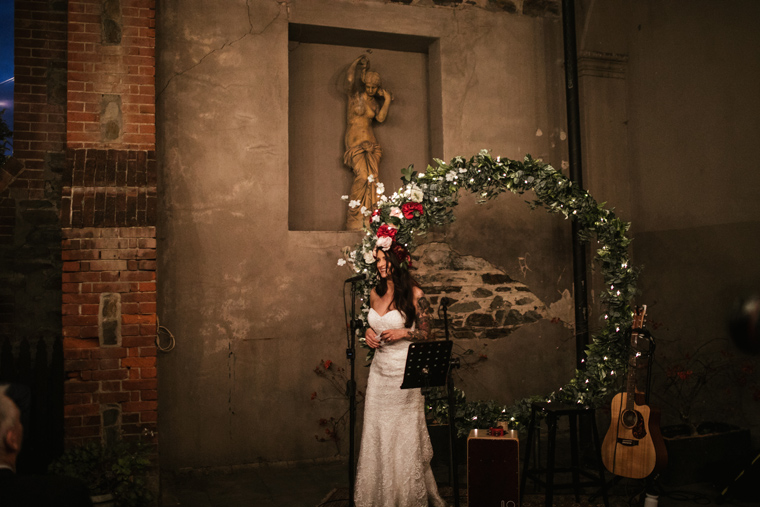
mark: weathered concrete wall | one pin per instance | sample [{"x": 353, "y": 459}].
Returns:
[
  {"x": 695, "y": 115},
  {"x": 670, "y": 141},
  {"x": 254, "y": 307}
]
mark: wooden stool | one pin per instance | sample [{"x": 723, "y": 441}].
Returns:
[{"x": 552, "y": 412}]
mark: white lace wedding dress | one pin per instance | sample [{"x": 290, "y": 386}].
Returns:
[{"x": 394, "y": 459}]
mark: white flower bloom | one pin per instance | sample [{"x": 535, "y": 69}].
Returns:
[
  {"x": 462, "y": 170},
  {"x": 384, "y": 242},
  {"x": 341, "y": 262},
  {"x": 396, "y": 212},
  {"x": 416, "y": 194},
  {"x": 451, "y": 176},
  {"x": 354, "y": 204},
  {"x": 369, "y": 257},
  {"x": 365, "y": 211},
  {"x": 370, "y": 178},
  {"x": 343, "y": 197},
  {"x": 380, "y": 188},
  {"x": 383, "y": 198},
  {"x": 376, "y": 218}
]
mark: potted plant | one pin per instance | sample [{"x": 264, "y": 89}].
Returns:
[
  {"x": 116, "y": 474},
  {"x": 696, "y": 386}
]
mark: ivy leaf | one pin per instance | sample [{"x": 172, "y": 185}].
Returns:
[{"x": 408, "y": 174}]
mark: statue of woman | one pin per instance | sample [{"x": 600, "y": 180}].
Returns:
[{"x": 362, "y": 151}]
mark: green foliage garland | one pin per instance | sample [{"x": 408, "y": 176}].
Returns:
[{"x": 437, "y": 190}]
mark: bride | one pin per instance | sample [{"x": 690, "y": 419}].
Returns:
[{"x": 394, "y": 459}]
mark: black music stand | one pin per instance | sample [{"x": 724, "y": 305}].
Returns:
[{"x": 428, "y": 364}]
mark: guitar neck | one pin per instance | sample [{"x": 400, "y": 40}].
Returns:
[
  {"x": 631, "y": 378},
  {"x": 638, "y": 323}
]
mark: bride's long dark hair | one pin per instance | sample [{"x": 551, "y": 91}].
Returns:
[{"x": 403, "y": 287}]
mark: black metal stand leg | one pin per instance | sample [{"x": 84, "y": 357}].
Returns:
[
  {"x": 351, "y": 392},
  {"x": 453, "y": 461},
  {"x": 551, "y": 421},
  {"x": 574, "y": 461},
  {"x": 528, "y": 448}
]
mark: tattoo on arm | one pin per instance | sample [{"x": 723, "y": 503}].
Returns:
[{"x": 423, "y": 323}]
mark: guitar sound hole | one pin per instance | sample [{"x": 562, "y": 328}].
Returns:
[{"x": 629, "y": 418}]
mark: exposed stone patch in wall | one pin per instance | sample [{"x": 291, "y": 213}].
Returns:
[{"x": 486, "y": 302}]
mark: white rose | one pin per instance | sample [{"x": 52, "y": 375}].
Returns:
[
  {"x": 354, "y": 204},
  {"x": 341, "y": 262},
  {"x": 416, "y": 194},
  {"x": 369, "y": 257},
  {"x": 370, "y": 178},
  {"x": 380, "y": 188},
  {"x": 376, "y": 218},
  {"x": 384, "y": 242}
]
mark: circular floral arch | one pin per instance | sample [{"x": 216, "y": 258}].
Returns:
[{"x": 427, "y": 199}]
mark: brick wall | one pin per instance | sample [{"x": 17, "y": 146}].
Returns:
[
  {"x": 39, "y": 127},
  {"x": 109, "y": 329},
  {"x": 108, "y": 217},
  {"x": 30, "y": 297},
  {"x": 111, "y": 72}
]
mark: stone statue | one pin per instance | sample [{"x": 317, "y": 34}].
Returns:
[{"x": 362, "y": 151}]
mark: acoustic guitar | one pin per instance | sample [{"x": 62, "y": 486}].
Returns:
[{"x": 633, "y": 446}]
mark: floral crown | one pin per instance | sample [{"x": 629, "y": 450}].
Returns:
[
  {"x": 386, "y": 240},
  {"x": 402, "y": 254}
]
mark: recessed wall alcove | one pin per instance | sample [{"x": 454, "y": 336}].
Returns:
[{"x": 412, "y": 133}]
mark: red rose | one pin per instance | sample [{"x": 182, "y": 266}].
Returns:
[
  {"x": 327, "y": 364},
  {"x": 402, "y": 254},
  {"x": 409, "y": 208},
  {"x": 376, "y": 212},
  {"x": 386, "y": 230}
]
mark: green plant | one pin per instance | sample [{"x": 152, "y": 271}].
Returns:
[
  {"x": 5, "y": 136},
  {"x": 696, "y": 382},
  {"x": 119, "y": 468},
  {"x": 334, "y": 426},
  {"x": 473, "y": 414}
]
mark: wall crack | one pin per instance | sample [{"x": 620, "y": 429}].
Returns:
[{"x": 250, "y": 32}]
